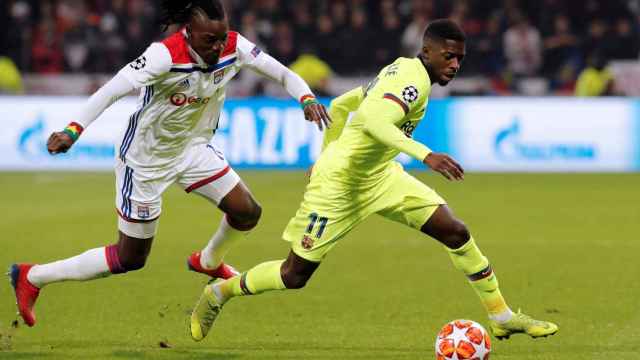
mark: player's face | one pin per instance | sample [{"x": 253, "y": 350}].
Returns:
[
  {"x": 207, "y": 37},
  {"x": 445, "y": 58}
]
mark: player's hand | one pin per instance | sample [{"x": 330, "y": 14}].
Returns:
[
  {"x": 59, "y": 142},
  {"x": 445, "y": 165},
  {"x": 317, "y": 113}
]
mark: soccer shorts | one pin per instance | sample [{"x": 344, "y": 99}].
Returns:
[
  {"x": 330, "y": 208},
  {"x": 204, "y": 171}
]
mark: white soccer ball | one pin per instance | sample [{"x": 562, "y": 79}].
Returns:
[{"x": 463, "y": 340}]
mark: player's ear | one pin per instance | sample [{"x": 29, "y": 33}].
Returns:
[{"x": 426, "y": 50}]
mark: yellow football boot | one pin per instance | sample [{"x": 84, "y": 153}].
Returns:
[
  {"x": 521, "y": 323},
  {"x": 204, "y": 314}
]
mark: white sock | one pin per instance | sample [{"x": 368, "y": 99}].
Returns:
[
  {"x": 220, "y": 243},
  {"x": 217, "y": 293},
  {"x": 502, "y": 317},
  {"x": 91, "y": 264}
]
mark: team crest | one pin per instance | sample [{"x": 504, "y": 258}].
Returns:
[
  {"x": 410, "y": 94},
  {"x": 218, "y": 76},
  {"x": 143, "y": 212},
  {"x": 139, "y": 63},
  {"x": 307, "y": 242}
]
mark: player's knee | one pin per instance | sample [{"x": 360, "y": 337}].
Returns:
[
  {"x": 246, "y": 216},
  {"x": 294, "y": 280},
  {"x": 457, "y": 235},
  {"x": 256, "y": 213}
]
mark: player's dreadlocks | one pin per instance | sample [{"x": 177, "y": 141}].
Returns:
[
  {"x": 180, "y": 11},
  {"x": 444, "y": 29}
]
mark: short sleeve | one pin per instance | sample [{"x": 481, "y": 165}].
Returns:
[{"x": 148, "y": 67}]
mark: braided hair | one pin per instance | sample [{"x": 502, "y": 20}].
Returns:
[{"x": 180, "y": 11}]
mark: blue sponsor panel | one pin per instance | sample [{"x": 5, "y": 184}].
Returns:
[
  {"x": 435, "y": 129},
  {"x": 256, "y": 133},
  {"x": 636, "y": 136},
  {"x": 252, "y": 133},
  {"x": 267, "y": 133},
  {"x": 544, "y": 134},
  {"x": 484, "y": 134},
  {"x": 28, "y": 122}
]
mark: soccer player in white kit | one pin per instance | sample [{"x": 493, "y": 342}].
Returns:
[{"x": 167, "y": 140}]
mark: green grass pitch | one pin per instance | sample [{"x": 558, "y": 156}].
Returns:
[{"x": 565, "y": 248}]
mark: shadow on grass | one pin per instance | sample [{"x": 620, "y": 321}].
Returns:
[
  {"x": 173, "y": 354},
  {"x": 22, "y": 355}
]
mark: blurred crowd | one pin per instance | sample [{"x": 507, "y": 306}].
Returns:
[{"x": 507, "y": 39}]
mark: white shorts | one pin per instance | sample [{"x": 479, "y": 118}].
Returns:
[{"x": 203, "y": 171}]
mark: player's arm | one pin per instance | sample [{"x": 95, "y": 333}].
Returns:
[
  {"x": 116, "y": 88},
  {"x": 265, "y": 65},
  {"x": 143, "y": 71},
  {"x": 380, "y": 116},
  {"x": 339, "y": 111}
]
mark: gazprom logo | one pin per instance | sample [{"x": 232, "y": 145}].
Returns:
[
  {"x": 509, "y": 146},
  {"x": 30, "y": 141}
]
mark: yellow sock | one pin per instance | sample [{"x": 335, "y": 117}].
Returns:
[
  {"x": 475, "y": 266},
  {"x": 261, "y": 278}
]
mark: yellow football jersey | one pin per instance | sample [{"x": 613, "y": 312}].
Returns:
[{"x": 386, "y": 113}]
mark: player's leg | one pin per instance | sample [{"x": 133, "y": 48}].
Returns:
[
  {"x": 412, "y": 203},
  {"x": 467, "y": 257},
  {"x": 128, "y": 254},
  {"x": 292, "y": 273},
  {"x": 311, "y": 235},
  {"x": 225, "y": 190},
  {"x": 317, "y": 226},
  {"x": 327, "y": 213},
  {"x": 135, "y": 207},
  {"x": 242, "y": 213}
]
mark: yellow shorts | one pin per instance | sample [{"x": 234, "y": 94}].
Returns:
[{"x": 331, "y": 208}]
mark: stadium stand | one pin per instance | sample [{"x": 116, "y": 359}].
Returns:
[{"x": 514, "y": 47}]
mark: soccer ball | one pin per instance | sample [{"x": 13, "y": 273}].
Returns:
[{"x": 463, "y": 340}]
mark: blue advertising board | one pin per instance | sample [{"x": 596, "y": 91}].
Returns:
[{"x": 483, "y": 134}]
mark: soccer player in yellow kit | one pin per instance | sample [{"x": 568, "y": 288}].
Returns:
[{"x": 356, "y": 176}]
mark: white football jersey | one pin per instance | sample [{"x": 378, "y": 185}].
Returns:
[{"x": 180, "y": 101}]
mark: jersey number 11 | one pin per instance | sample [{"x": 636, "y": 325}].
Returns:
[{"x": 313, "y": 217}]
